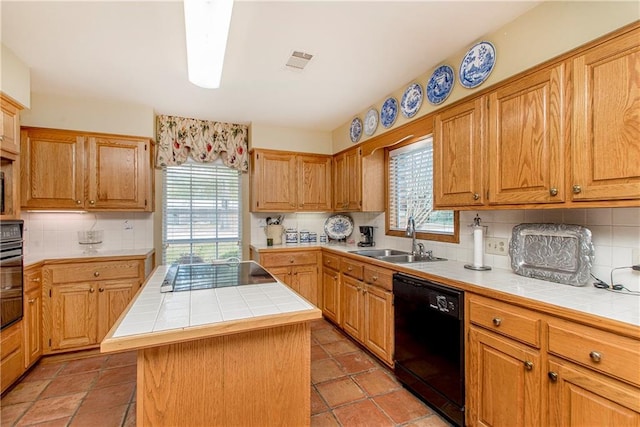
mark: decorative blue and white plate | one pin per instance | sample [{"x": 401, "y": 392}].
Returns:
[
  {"x": 411, "y": 100},
  {"x": 355, "y": 132},
  {"x": 371, "y": 122},
  {"x": 477, "y": 64},
  {"x": 389, "y": 112},
  {"x": 440, "y": 84},
  {"x": 338, "y": 227}
]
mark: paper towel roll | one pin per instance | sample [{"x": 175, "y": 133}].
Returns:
[{"x": 478, "y": 245}]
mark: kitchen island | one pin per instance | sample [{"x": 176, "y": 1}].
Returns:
[{"x": 236, "y": 355}]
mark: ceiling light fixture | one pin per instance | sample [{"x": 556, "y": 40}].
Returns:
[{"x": 207, "y": 27}]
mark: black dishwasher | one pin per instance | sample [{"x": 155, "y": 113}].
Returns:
[{"x": 429, "y": 343}]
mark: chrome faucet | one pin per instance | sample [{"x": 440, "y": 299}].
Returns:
[{"x": 411, "y": 232}]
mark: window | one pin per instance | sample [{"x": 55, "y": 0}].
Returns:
[
  {"x": 411, "y": 194},
  {"x": 202, "y": 213}
]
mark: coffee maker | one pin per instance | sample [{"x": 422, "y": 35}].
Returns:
[{"x": 366, "y": 235}]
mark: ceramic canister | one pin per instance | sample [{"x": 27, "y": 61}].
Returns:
[
  {"x": 304, "y": 236},
  {"x": 291, "y": 235},
  {"x": 313, "y": 237}
]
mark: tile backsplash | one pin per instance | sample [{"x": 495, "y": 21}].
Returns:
[
  {"x": 615, "y": 235},
  {"x": 55, "y": 232}
]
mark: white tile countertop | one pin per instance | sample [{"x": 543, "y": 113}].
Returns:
[
  {"x": 34, "y": 258},
  {"x": 619, "y": 306},
  {"x": 155, "y": 312}
]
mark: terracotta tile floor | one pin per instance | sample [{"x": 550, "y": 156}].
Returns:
[{"x": 349, "y": 388}]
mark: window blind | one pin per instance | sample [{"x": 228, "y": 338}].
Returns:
[
  {"x": 411, "y": 189},
  {"x": 201, "y": 213}
]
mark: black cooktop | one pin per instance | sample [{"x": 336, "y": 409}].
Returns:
[{"x": 189, "y": 277}]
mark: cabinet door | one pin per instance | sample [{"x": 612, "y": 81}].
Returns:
[
  {"x": 74, "y": 312},
  {"x": 314, "y": 183},
  {"x": 11, "y": 355},
  {"x": 283, "y": 274},
  {"x": 340, "y": 192},
  {"x": 118, "y": 174},
  {"x": 459, "y": 155},
  {"x": 32, "y": 326},
  {"x": 306, "y": 279},
  {"x": 378, "y": 324},
  {"x": 331, "y": 294},
  {"x": 353, "y": 179},
  {"x": 113, "y": 298},
  {"x": 352, "y": 307},
  {"x": 9, "y": 127},
  {"x": 527, "y": 139},
  {"x": 606, "y": 123},
  {"x": 52, "y": 170},
  {"x": 580, "y": 397},
  {"x": 274, "y": 183},
  {"x": 503, "y": 382}
]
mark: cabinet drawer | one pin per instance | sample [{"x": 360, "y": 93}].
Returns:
[
  {"x": 83, "y": 272},
  {"x": 331, "y": 261},
  {"x": 520, "y": 324},
  {"x": 11, "y": 340},
  {"x": 288, "y": 258},
  {"x": 600, "y": 350},
  {"x": 32, "y": 279},
  {"x": 352, "y": 268},
  {"x": 379, "y": 277}
]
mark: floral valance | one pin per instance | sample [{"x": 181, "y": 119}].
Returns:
[{"x": 204, "y": 141}]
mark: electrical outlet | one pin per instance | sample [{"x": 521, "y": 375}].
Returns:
[
  {"x": 635, "y": 256},
  {"x": 496, "y": 246}
]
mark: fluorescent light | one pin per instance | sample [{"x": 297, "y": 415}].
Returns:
[{"x": 207, "y": 24}]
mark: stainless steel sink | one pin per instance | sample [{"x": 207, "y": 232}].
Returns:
[
  {"x": 375, "y": 253},
  {"x": 406, "y": 258}
]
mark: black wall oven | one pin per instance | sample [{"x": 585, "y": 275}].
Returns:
[
  {"x": 11, "y": 265},
  {"x": 429, "y": 343}
]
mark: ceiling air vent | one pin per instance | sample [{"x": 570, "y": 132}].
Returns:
[{"x": 299, "y": 60}]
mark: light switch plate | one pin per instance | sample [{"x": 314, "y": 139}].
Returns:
[{"x": 496, "y": 246}]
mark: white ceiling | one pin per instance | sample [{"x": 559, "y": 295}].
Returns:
[{"x": 134, "y": 52}]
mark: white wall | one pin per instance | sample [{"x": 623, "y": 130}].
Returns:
[
  {"x": 289, "y": 139},
  {"x": 15, "y": 77}
]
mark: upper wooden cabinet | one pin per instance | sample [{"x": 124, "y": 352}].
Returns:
[
  {"x": 358, "y": 181},
  {"x": 459, "y": 155},
  {"x": 287, "y": 182},
  {"x": 606, "y": 121},
  {"x": 9, "y": 157},
  {"x": 72, "y": 170},
  {"x": 527, "y": 138},
  {"x": 9, "y": 125}
]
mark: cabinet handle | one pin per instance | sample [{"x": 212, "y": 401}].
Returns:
[
  {"x": 291, "y": 260},
  {"x": 595, "y": 356},
  {"x": 96, "y": 273},
  {"x": 35, "y": 279},
  {"x": 31, "y": 301},
  {"x": 576, "y": 189},
  {"x": 295, "y": 274},
  {"x": 528, "y": 365},
  {"x": 335, "y": 277},
  {"x": 553, "y": 191},
  {"x": 553, "y": 376},
  {"x": 476, "y": 196},
  {"x": 101, "y": 289},
  {"x": 78, "y": 202},
  {"x": 92, "y": 202},
  {"x": 497, "y": 321},
  {"x": 374, "y": 278},
  {"x": 92, "y": 290},
  {"x": 327, "y": 262},
  {"x": 349, "y": 268}
]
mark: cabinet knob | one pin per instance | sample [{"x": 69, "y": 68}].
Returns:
[
  {"x": 576, "y": 189},
  {"x": 553, "y": 376},
  {"x": 497, "y": 321},
  {"x": 528, "y": 365},
  {"x": 595, "y": 356},
  {"x": 327, "y": 262},
  {"x": 476, "y": 196},
  {"x": 92, "y": 290},
  {"x": 92, "y": 202},
  {"x": 101, "y": 289},
  {"x": 553, "y": 191},
  {"x": 96, "y": 273},
  {"x": 350, "y": 268},
  {"x": 78, "y": 202},
  {"x": 295, "y": 274},
  {"x": 31, "y": 301},
  {"x": 374, "y": 278},
  {"x": 335, "y": 277},
  {"x": 35, "y": 279}
]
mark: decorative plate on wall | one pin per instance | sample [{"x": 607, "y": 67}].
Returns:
[
  {"x": 477, "y": 64},
  {"x": 355, "y": 131},
  {"x": 338, "y": 227},
  {"x": 371, "y": 122},
  {"x": 389, "y": 112},
  {"x": 440, "y": 84},
  {"x": 411, "y": 100}
]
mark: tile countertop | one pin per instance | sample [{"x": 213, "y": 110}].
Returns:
[
  {"x": 586, "y": 299},
  {"x": 34, "y": 258},
  {"x": 178, "y": 316}
]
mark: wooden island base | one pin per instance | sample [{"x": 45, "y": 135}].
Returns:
[{"x": 255, "y": 378}]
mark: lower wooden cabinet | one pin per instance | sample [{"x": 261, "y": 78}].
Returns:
[
  {"x": 11, "y": 355},
  {"x": 352, "y": 318},
  {"x": 298, "y": 270},
  {"x": 331, "y": 294},
  {"x": 32, "y": 315},
  {"x": 82, "y": 301},
  {"x": 378, "y": 314}
]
